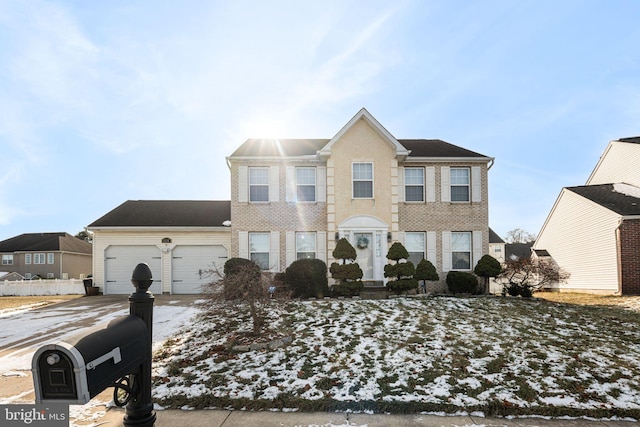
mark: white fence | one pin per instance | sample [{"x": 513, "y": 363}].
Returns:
[{"x": 41, "y": 287}]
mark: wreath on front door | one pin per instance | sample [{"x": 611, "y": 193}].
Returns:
[{"x": 363, "y": 243}]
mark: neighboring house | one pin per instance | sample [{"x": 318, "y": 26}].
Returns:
[
  {"x": 294, "y": 198},
  {"x": 496, "y": 246},
  {"x": 181, "y": 240},
  {"x": 46, "y": 255},
  {"x": 11, "y": 277},
  {"x": 515, "y": 251},
  {"x": 593, "y": 231}
]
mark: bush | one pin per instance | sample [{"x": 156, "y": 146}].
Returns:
[
  {"x": 402, "y": 271},
  {"x": 425, "y": 270},
  {"x": 460, "y": 282},
  {"x": 236, "y": 265},
  {"x": 517, "y": 289},
  {"x": 307, "y": 278},
  {"x": 347, "y": 289}
]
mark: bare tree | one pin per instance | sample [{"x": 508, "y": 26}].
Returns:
[
  {"x": 528, "y": 274},
  {"x": 518, "y": 235},
  {"x": 241, "y": 286}
]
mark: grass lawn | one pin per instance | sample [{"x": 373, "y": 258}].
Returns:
[
  {"x": 11, "y": 302},
  {"x": 500, "y": 356}
]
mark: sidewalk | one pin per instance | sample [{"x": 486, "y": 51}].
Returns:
[{"x": 221, "y": 418}]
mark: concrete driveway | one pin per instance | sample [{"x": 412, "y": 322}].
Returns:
[{"x": 23, "y": 332}]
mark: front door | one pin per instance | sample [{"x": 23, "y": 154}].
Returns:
[{"x": 363, "y": 242}]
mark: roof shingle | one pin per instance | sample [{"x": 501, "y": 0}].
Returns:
[
  {"x": 606, "y": 196},
  {"x": 167, "y": 213}
]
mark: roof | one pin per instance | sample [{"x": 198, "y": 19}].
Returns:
[
  {"x": 46, "y": 242},
  {"x": 632, "y": 139},
  {"x": 623, "y": 199},
  {"x": 167, "y": 213},
  {"x": 517, "y": 250},
  {"x": 493, "y": 237},
  {"x": 310, "y": 147}
]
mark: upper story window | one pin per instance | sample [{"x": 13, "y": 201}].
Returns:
[
  {"x": 7, "y": 259},
  {"x": 459, "y": 184},
  {"x": 414, "y": 184},
  {"x": 414, "y": 242},
  {"x": 27, "y": 258},
  {"x": 306, "y": 184},
  {"x": 305, "y": 245},
  {"x": 362, "y": 180},
  {"x": 461, "y": 250},
  {"x": 258, "y": 184},
  {"x": 259, "y": 244},
  {"x": 38, "y": 258},
  {"x": 50, "y": 258}
]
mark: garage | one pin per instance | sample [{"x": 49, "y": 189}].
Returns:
[
  {"x": 191, "y": 265},
  {"x": 120, "y": 262}
]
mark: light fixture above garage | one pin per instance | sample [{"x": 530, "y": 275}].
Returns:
[{"x": 166, "y": 240}]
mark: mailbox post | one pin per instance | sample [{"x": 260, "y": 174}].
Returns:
[
  {"x": 116, "y": 355},
  {"x": 139, "y": 411}
]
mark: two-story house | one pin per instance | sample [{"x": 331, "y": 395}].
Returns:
[
  {"x": 46, "y": 255},
  {"x": 295, "y": 198}
]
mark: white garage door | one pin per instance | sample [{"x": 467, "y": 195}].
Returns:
[
  {"x": 192, "y": 265},
  {"x": 122, "y": 260}
]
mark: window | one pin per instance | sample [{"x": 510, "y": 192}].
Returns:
[
  {"x": 259, "y": 249},
  {"x": 305, "y": 245},
  {"x": 7, "y": 259},
  {"x": 38, "y": 258},
  {"x": 306, "y": 184},
  {"x": 461, "y": 250},
  {"x": 363, "y": 180},
  {"x": 50, "y": 258},
  {"x": 414, "y": 243},
  {"x": 258, "y": 184},
  {"x": 414, "y": 184},
  {"x": 27, "y": 258},
  {"x": 459, "y": 184}
]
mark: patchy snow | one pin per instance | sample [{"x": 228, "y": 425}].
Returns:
[
  {"x": 448, "y": 351},
  {"x": 626, "y": 189}
]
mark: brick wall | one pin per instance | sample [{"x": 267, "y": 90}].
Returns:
[{"x": 629, "y": 256}]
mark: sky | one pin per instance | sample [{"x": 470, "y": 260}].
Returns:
[{"x": 103, "y": 102}]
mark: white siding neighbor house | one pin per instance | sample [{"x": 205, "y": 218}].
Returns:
[{"x": 593, "y": 231}]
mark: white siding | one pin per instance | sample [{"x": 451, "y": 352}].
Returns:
[
  {"x": 619, "y": 164},
  {"x": 580, "y": 237}
]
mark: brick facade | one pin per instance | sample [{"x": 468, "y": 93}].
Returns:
[{"x": 629, "y": 256}]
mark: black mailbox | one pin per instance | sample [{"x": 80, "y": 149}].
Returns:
[{"x": 79, "y": 368}]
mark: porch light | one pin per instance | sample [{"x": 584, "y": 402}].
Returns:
[
  {"x": 337, "y": 236},
  {"x": 389, "y": 237}
]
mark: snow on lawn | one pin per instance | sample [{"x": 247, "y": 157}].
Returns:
[{"x": 446, "y": 352}]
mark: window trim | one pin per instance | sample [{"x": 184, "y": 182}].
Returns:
[
  {"x": 27, "y": 259},
  {"x": 354, "y": 180},
  {"x": 467, "y": 185},
  {"x": 51, "y": 258},
  {"x": 315, "y": 245},
  {"x": 268, "y": 252},
  {"x": 423, "y": 185},
  {"x": 7, "y": 259},
  {"x": 39, "y": 258},
  {"x": 314, "y": 185},
  {"x": 249, "y": 184},
  {"x": 470, "y": 251}
]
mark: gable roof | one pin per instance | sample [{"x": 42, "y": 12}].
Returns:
[
  {"x": 46, "y": 242},
  {"x": 167, "y": 213},
  {"x": 291, "y": 147},
  {"x": 623, "y": 199},
  {"x": 632, "y": 139},
  {"x": 493, "y": 237}
]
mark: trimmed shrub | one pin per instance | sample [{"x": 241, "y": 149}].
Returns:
[
  {"x": 236, "y": 265},
  {"x": 460, "y": 282},
  {"x": 307, "y": 278},
  {"x": 425, "y": 270},
  {"x": 349, "y": 274},
  {"x": 402, "y": 271}
]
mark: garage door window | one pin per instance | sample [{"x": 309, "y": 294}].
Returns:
[{"x": 259, "y": 249}]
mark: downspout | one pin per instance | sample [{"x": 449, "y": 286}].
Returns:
[{"x": 618, "y": 252}]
